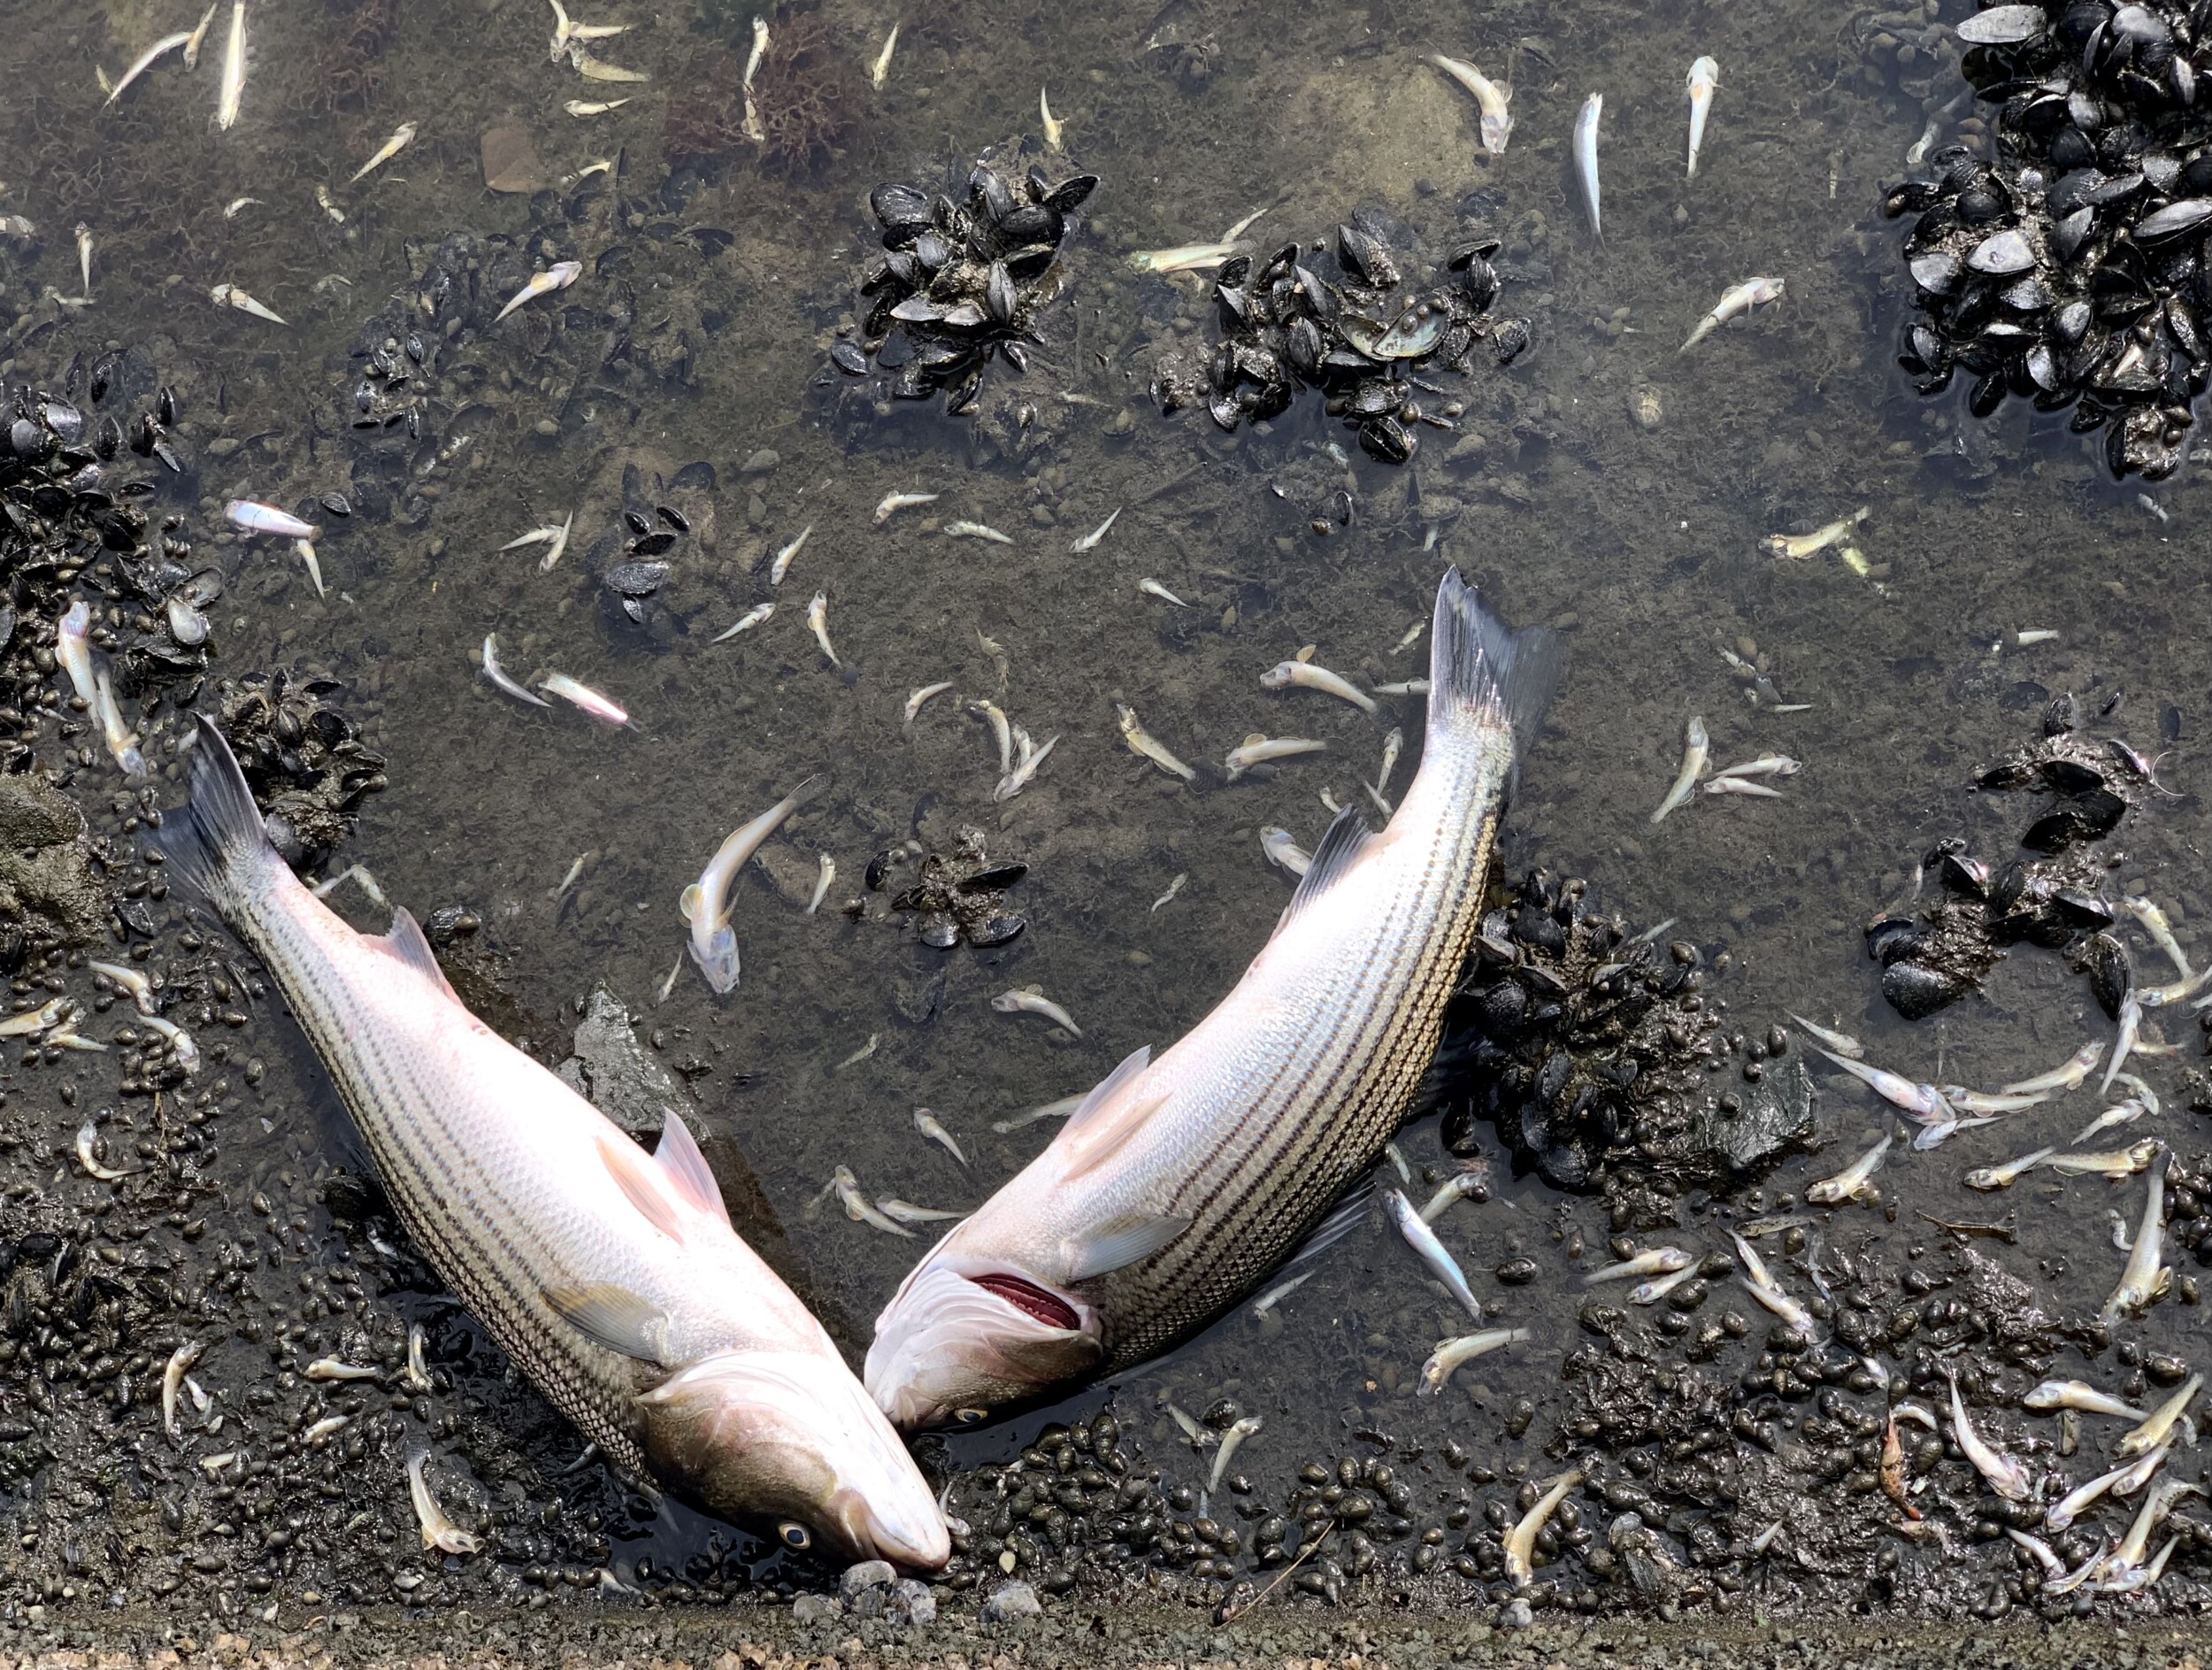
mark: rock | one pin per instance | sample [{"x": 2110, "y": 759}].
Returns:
[
  {"x": 510, "y": 160},
  {"x": 811, "y": 1609},
  {"x": 761, "y": 463},
  {"x": 911, "y": 1604},
  {"x": 1516, "y": 1615},
  {"x": 618, "y": 1075},
  {"x": 1776, "y": 1121},
  {"x": 868, "y": 1574},
  {"x": 1011, "y": 1601},
  {"x": 45, "y": 876}
]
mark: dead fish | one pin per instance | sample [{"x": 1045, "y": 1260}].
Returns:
[
  {"x": 179, "y": 1363},
  {"x": 857, "y": 1205},
  {"x": 1696, "y": 750},
  {"x": 89, "y": 1157},
  {"x": 1256, "y": 750},
  {"x": 1144, "y": 744},
  {"x": 1433, "y": 1252},
  {"x": 1305, "y": 675},
  {"x": 1451, "y": 1354},
  {"x": 1653, "y": 1261},
  {"x": 497, "y": 675},
  {"x": 333, "y": 1368},
  {"x": 1740, "y": 299},
  {"x": 925, "y": 1122},
  {"x": 1851, "y": 1183},
  {"x": 2002, "y": 1473},
  {"x": 438, "y": 1531},
  {"x": 1031, "y": 1000},
  {"x": 559, "y": 276},
  {"x": 1520, "y": 1541}
]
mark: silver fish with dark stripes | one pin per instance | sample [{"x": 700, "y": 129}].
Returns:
[
  {"x": 1179, "y": 1184},
  {"x": 611, "y": 1276}
]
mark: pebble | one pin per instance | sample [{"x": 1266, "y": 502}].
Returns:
[
  {"x": 867, "y": 1575},
  {"x": 1518, "y": 1615},
  {"x": 810, "y": 1609},
  {"x": 1010, "y": 1601},
  {"x": 761, "y": 463}
]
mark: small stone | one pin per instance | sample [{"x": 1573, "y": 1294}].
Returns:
[
  {"x": 866, "y": 1576},
  {"x": 222, "y": 446},
  {"x": 1518, "y": 1615},
  {"x": 1010, "y": 1601},
  {"x": 761, "y": 463},
  {"x": 811, "y": 1609},
  {"x": 911, "y": 1603},
  {"x": 1123, "y": 422}
]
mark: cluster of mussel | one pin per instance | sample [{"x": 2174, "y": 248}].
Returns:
[
  {"x": 1348, "y": 324},
  {"x": 308, "y": 770},
  {"x": 2071, "y": 271},
  {"x": 1590, "y": 1051},
  {"x": 959, "y": 281},
  {"x": 629, "y": 557},
  {"x": 1933, "y": 956},
  {"x": 953, "y": 897}
]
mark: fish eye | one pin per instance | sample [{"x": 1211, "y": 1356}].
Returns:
[
  {"x": 794, "y": 1535},
  {"x": 970, "y": 1417}
]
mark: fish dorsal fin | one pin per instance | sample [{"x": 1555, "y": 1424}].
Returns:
[
  {"x": 404, "y": 941},
  {"x": 615, "y": 1318},
  {"x": 1120, "y": 1243},
  {"x": 1135, "y": 1062},
  {"x": 1106, "y": 1120},
  {"x": 1338, "y": 850},
  {"x": 685, "y": 1168},
  {"x": 643, "y": 1184}
]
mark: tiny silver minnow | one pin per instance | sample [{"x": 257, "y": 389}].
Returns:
[
  {"x": 121, "y": 740},
  {"x": 583, "y": 697},
  {"x": 1029, "y": 758},
  {"x": 1704, "y": 77},
  {"x": 231, "y": 296},
  {"x": 1765, "y": 765},
  {"x": 1089, "y": 542},
  {"x": 1058, "y": 1110},
  {"x": 1281, "y": 1291},
  {"x": 1520, "y": 1541},
  {"x": 975, "y": 530},
  {"x": 553, "y": 536},
  {"x": 1586, "y": 157},
  {"x": 1394, "y": 745},
  {"x": 1743, "y": 786},
  {"x": 1742, "y": 299},
  {"x": 438, "y": 1531},
  {"x": 1452, "y": 1354},
  {"x": 818, "y": 623},
  {"x": 926, "y": 1123},
  {"x": 2004, "y": 1473},
  {"x": 825, "y": 873},
  {"x": 592, "y": 107},
  {"x": 1433, "y": 1252},
  {"x": 2145, "y": 1279},
  {"x": 145, "y": 61},
  {"x": 894, "y": 503},
  {"x": 336, "y": 1368},
  {"x": 2124, "y": 1480},
  {"x": 1992, "y": 1177},
  {"x": 879, "y": 72},
  {"x": 1256, "y": 750},
  {"x": 1658, "y": 1287},
  {"x": 1001, "y": 731},
  {"x": 1760, "y": 1283},
  {"x": 1173, "y": 888},
  {"x": 132, "y": 981},
  {"x": 499, "y": 680},
  {"x": 1494, "y": 101},
  {"x": 2117, "y": 1164},
  {"x": 1798, "y": 547},
  {"x": 1231, "y": 1442},
  {"x": 328, "y": 1427},
  {"x": 907, "y": 1213},
  {"x": 179, "y": 1363},
  {"x": 231, "y": 92},
  {"x": 1054, "y": 129},
  {"x": 1924, "y": 1102},
  {"x": 2080, "y": 1395},
  {"x": 1280, "y": 848},
  {"x": 920, "y": 696},
  {"x": 401, "y": 137},
  {"x": 782, "y": 566},
  {"x": 251, "y": 517},
  {"x": 756, "y": 616},
  {"x": 1854, "y": 1183},
  {"x": 1031, "y": 1000},
  {"x": 32, "y": 1022},
  {"x": 2068, "y": 1075},
  {"x": 1841, "y": 1043},
  {"x": 1188, "y": 258},
  {"x": 559, "y": 276},
  {"x": 2157, "y": 1426},
  {"x": 1696, "y": 750},
  {"x": 1452, "y": 1190},
  {"x": 84, "y": 259},
  {"x": 1653, "y": 1261},
  {"x": 1154, "y": 589},
  {"x": 1305, "y": 675},
  {"x": 857, "y": 1206},
  {"x": 1145, "y": 745},
  {"x": 88, "y": 1155}
]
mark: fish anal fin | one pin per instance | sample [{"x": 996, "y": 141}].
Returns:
[
  {"x": 685, "y": 1168},
  {"x": 615, "y": 1318},
  {"x": 642, "y": 1184},
  {"x": 1337, "y": 851},
  {"x": 404, "y": 942},
  {"x": 1120, "y": 1243}
]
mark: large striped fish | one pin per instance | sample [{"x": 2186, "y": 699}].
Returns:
[
  {"x": 611, "y": 1276},
  {"x": 1178, "y": 1184}
]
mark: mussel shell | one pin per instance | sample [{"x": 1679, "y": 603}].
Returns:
[
  {"x": 998, "y": 294},
  {"x": 1916, "y": 991},
  {"x": 1069, "y": 195},
  {"x": 1936, "y": 272},
  {"x": 848, "y": 357},
  {"x": 987, "y": 187},
  {"x": 1032, "y": 223},
  {"x": 2185, "y": 215},
  {"x": 899, "y": 206},
  {"x": 2004, "y": 26},
  {"x": 2071, "y": 776},
  {"x": 636, "y": 580},
  {"x": 940, "y": 931},
  {"x": 998, "y": 930},
  {"x": 2002, "y": 253}
]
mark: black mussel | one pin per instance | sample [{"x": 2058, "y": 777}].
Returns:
[
  {"x": 103, "y": 370},
  {"x": 1986, "y": 394},
  {"x": 1282, "y": 264},
  {"x": 2081, "y": 908},
  {"x": 993, "y": 878},
  {"x": 1302, "y": 346},
  {"x": 1916, "y": 991},
  {"x": 107, "y": 438},
  {"x": 1508, "y": 341},
  {"x": 654, "y": 544},
  {"x": 2052, "y": 831},
  {"x": 847, "y": 356},
  {"x": 1032, "y": 223},
  {"x": 1963, "y": 873},
  {"x": 2111, "y": 972},
  {"x": 997, "y": 929},
  {"x": 640, "y": 523},
  {"x": 932, "y": 250},
  {"x": 1028, "y": 262},
  {"x": 988, "y": 189},
  {"x": 940, "y": 931},
  {"x": 897, "y": 205},
  {"x": 1886, "y": 935},
  {"x": 1981, "y": 202},
  {"x": 33, "y": 443},
  {"x": 2071, "y": 323},
  {"x": 636, "y": 580},
  {"x": 2100, "y": 811},
  {"x": 1366, "y": 259},
  {"x": 699, "y": 474},
  {"x": 2071, "y": 776},
  {"x": 336, "y": 503},
  {"x": 1069, "y": 195},
  {"x": 2007, "y": 886},
  {"x": 1912, "y": 197},
  {"x": 1037, "y": 184},
  {"x": 673, "y": 516},
  {"x": 2003, "y": 25},
  {"x": 2185, "y": 215},
  {"x": 1388, "y": 439},
  {"x": 2063, "y": 715},
  {"x": 64, "y": 420},
  {"x": 998, "y": 294},
  {"x": 1317, "y": 296}
]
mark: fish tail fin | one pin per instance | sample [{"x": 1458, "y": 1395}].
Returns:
[
  {"x": 1484, "y": 676},
  {"x": 215, "y": 844}
]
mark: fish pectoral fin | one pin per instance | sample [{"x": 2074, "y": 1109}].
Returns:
[
  {"x": 1120, "y": 1243},
  {"x": 685, "y": 1168},
  {"x": 615, "y": 1318},
  {"x": 1336, "y": 853},
  {"x": 404, "y": 942},
  {"x": 642, "y": 1183}
]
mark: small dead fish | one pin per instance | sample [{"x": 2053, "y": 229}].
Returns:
[
  {"x": 915, "y": 702},
  {"x": 231, "y": 296},
  {"x": 1281, "y": 849},
  {"x": 1188, "y": 258},
  {"x": 782, "y": 566},
  {"x": 2002, "y": 1473},
  {"x": 583, "y": 697},
  {"x": 416, "y": 1377},
  {"x": 2067, "y": 1076},
  {"x": 1520, "y": 1541},
  {"x": 879, "y": 72},
  {"x": 1154, "y": 589},
  {"x": 438, "y": 1531},
  {"x": 555, "y": 539},
  {"x": 1452, "y": 1190},
  {"x": 1433, "y": 1252},
  {"x": 1231, "y": 1441},
  {"x": 1743, "y": 786},
  {"x": 597, "y": 69},
  {"x": 1393, "y": 745},
  {"x": 755, "y": 617},
  {"x": 1001, "y": 732},
  {"x": 1657, "y": 1289},
  {"x": 2117, "y": 1164},
  {"x": 1765, "y": 765},
  {"x": 1798, "y": 547},
  {"x": 1058, "y": 1110},
  {"x": 328, "y": 1427},
  {"x": 1195, "y": 1433},
  {"x": 825, "y": 875},
  {"x": 2158, "y": 1425},
  {"x": 1306, "y": 676},
  {"x": 1841, "y": 1042},
  {"x": 901, "y": 1211},
  {"x": 88, "y": 1155},
  {"x": 132, "y": 981},
  {"x": 1029, "y": 758},
  {"x": 84, "y": 259},
  {"x": 1654, "y": 1261},
  {"x": 559, "y": 276},
  {"x": 588, "y": 107},
  {"x": 1851, "y": 1183},
  {"x": 1994, "y": 1177},
  {"x": 1494, "y": 102},
  {"x": 1696, "y": 750},
  {"x": 1924, "y": 1102},
  {"x": 1030, "y": 1000},
  {"x": 121, "y": 740},
  {"x": 861, "y": 1054},
  {"x": 1281, "y": 1291},
  {"x": 180, "y": 1362},
  {"x": 1173, "y": 888},
  {"x": 1144, "y": 744},
  {"x": 1089, "y": 542},
  {"x": 1260, "y": 751},
  {"x": 251, "y": 517},
  {"x": 1452, "y": 1354},
  {"x": 145, "y": 61},
  {"x": 925, "y": 1122},
  {"x": 2124, "y": 1480},
  {"x": 974, "y": 530},
  {"x": 894, "y": 503},
  {"x": 2145, "y": 1279},
  {"x": 499, "y": 680},
  {"x": 332, "y": 1368},
  {"x": 818, "y": 623},
  {"x": 399, "y": 142},
  {"x": 857, "y": 1206},
  {"x": 1054, "y": 130},
  {"x": 1703, "y": 78},
  {"x": 231, "y": 91},
  {"x": 1585, "y": 152},
  {"x": 1742, "y": 299},
  {"x": 2080, "y": 1395}
]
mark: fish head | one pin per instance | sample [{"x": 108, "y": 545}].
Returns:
[
  {"x": 960, "y": 1337},
  {"x": 793, "y": 1436},
  {"x": 1496, "y": 129},
  {"x": 714, "y": 949}
]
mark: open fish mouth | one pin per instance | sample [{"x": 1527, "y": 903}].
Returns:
[{"x": 954, "y": 1343}]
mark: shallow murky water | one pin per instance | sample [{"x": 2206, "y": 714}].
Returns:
[{"x": 1560, "y": 492}]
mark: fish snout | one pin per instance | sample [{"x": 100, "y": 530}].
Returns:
[
  {"x": 955, "y": 1344},
  {"x": 792, "y": 1435}
]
